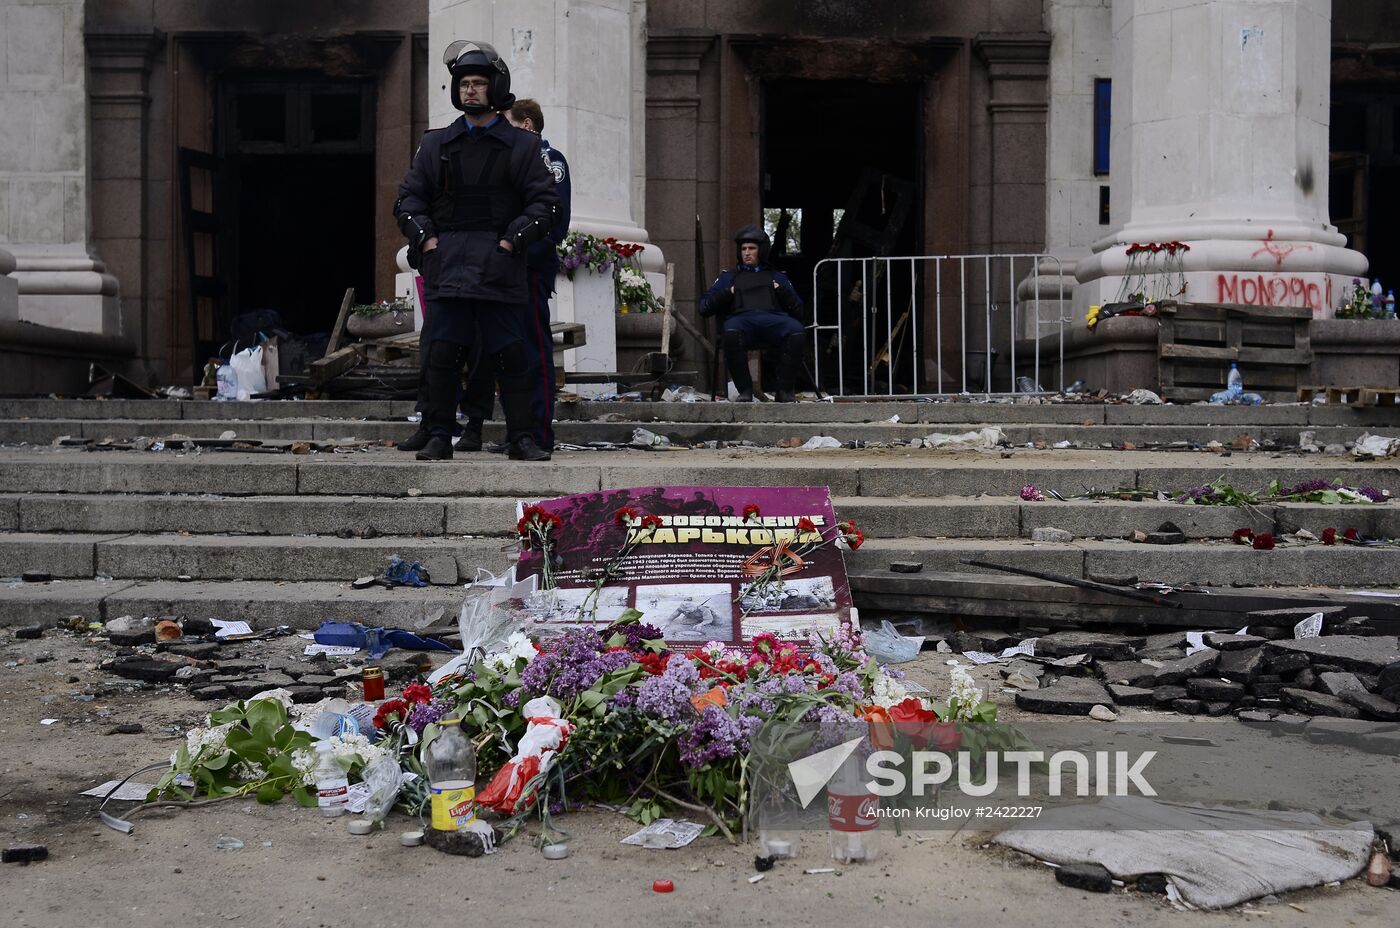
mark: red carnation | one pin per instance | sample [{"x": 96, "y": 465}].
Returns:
[
  {"x": 1329, "y": 536},
  {"x": 393, "y": 710},
  {"x": 624, "y": 515},
  {"x": 1264, "y": 542},
  {"x": 418, "y": 693},
  {"x": 855, "y": 538},
  {"x": 1243, "y": 536},
  {"x": 651, "y": 522},
  {"x": 1351, "y": 535},
  {"x": 751, "y": 511},
  {"x": 805, "y": 524},
  {"x": 653, "y": 663}
]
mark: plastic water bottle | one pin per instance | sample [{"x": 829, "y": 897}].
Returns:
[
  {"x": 332, "y": 786},
  {"x": 1390, "y": 304},
  {"x": 1234, "y": 382},
  {"x": 853, "y": 813},
  {"x": 452, "y": 777}
]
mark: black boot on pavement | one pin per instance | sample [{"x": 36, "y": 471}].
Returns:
[
  {"x": 417, "y": 441},
  {"x": 525, "y": 449},
  {"x": 437, "y": 449}
]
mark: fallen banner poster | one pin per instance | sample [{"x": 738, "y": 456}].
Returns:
[{"x": 701, "y": 568}]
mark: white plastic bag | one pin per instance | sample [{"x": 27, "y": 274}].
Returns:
[{"x": 247, "y": 372}]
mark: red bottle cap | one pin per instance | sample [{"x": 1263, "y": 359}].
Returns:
[{"x": 663, "y": 886}]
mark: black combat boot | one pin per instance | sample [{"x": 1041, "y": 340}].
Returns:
[
  {"x": 471, "y": 437},
  {"x": 417, "y": 441},
  {"x": 736, "y": 359},
  {"x": 789, "y": 361},
  {"x": 437, "y": 449},
  {"x": 525, "y": 449}
]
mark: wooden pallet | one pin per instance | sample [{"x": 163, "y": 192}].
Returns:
[
  {"x": 1352, "y": 396},
  {"x": 1198, "y": 342}
]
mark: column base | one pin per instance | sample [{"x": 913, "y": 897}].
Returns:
[
  {"x": 1260, "y": 271},
  {"x": 64, "y": 287}
]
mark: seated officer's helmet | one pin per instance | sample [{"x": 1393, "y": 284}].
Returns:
[
  {"x": 757, "y": 236},
  {"x": 466, "y": 57}
]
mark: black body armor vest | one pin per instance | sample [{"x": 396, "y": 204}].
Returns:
[
  {"x": 753, "y": 290},
  {"x": 476, "y": 193}
]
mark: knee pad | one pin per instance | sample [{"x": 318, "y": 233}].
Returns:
[{"x": 443, "y": 355}]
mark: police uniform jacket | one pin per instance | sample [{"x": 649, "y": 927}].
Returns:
[{"x": 473, "y": 189}]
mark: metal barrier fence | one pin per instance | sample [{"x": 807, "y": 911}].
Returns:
[{"x": 937, "y": 324}]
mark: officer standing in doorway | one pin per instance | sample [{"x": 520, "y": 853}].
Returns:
[
  {"x": 758, "y": 308},
  {"x": 475, "y": 198},
  {"x": 542, "y": 264}
]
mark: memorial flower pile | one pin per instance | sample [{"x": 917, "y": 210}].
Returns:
[{"x": 662, "y": 728}]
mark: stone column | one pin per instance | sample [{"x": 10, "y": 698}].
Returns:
[
  {"x": 44, "y": 170},
  {"x": 1220, "y": 117},
  {"x": 585, "y": 62},
  {"x": 119, "y": 66}
]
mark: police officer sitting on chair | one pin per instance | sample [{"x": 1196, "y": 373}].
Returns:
[
  {"x": 475, "y": 198},
  {"x": 758, "y": 308}
]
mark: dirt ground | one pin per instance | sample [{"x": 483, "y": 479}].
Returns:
[{"x": 296, "y": 868}]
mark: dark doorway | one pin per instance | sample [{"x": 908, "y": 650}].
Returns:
[
  {"x": 842, "y": 164},
  {"x": 300, "y": 160},
  {"x": 1365, "y": 177}
]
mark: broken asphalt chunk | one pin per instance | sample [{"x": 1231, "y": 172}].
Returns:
[
  {"x": 1095, "y": 644},
  {"x": 1094, "y": 878},
  {"x": 1066, "y": 696}
]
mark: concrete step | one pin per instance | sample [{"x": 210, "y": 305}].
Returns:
[
  {"x": 257, "y": 515},
  {"x": 263, "y": 604},
  {"x": 1286, "y": 435},
  {"x": 452, "y": 560},
  {"x": 1198, "y": 563},
  {"x": 243, "y": 557},
  {"x": 915, "y": 473},
  {"x": 952, "y": 517},
  {"x": 942, "y": 412}
]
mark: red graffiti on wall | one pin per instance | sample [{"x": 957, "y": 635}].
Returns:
[
  {"x": 1274, "y": 290},
  {"x": 1279, "y": 252}
]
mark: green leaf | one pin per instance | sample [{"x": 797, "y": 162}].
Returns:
[
  {"x": 629, "y": 615},
  {"x": 304, "y": 797},
  {"x": 265, "y": 717},
  {"x": 219, "y": 762},
  {"x": 269, "y": 793}
]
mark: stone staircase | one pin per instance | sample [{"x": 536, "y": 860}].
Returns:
[{"x": 258, "y": 533}]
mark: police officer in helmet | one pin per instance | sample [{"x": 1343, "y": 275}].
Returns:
[
  {"x": 474, "y": 199},
  {"x": 758, "y": 308}
]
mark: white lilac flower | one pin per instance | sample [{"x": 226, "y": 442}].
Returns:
[
  {"x": 964, "y": 692},
  {"x": 886, "y": 691},
  {"x": 518, "y": 646},
  {"x": 205, "y": 743}
]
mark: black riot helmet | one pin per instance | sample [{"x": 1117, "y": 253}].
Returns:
[
  {"x": 467, "y": 57},
  {"x": 757, "y": 236}
]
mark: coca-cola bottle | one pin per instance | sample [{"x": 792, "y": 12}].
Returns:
[{"x": 853, "y": 813}]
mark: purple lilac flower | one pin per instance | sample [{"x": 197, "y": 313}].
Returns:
[
  {"x": 635, "y": 633},
  {"x": 1309, "y": 486},
  {"x": 834, "y": 726},
  {"x": 1205, "y": 494},
  {"x": 1374, "y": 494},
  {"x": 716, "y": 735},
  {"x": 575, "y": 665},
  {"x": 421, "y": 716},
  {"x": 848, "y": 683},
  {"x": 511, "y": 699},
  {"x": 667, "y": 695},
  {"x": 623, "y": 699}
]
